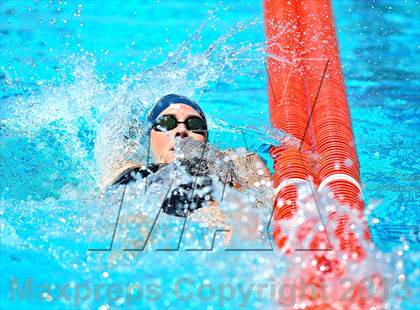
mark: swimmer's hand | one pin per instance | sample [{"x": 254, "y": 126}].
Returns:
[{"x": 249, "y": 169}]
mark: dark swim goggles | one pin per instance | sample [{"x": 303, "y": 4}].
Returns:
[{"x": 168, "y": 122}]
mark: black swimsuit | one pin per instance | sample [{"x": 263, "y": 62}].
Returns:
[{"x": 183, "y": 200}]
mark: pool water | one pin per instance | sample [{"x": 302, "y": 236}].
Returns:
[{"x": 71, "y": 72}]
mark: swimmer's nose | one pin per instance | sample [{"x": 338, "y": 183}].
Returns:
[{"x": 181, "y": 131}]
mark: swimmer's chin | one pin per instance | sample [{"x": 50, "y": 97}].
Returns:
[{"x": 169, "y": 157}]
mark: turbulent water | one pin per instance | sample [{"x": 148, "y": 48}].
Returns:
[
  {"x": 71, "y": 136},
  {"x": 60, "y": 144}
]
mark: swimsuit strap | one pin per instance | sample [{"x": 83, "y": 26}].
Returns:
[{"x": 133, "y": 173}]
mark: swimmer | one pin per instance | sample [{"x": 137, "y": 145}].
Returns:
[{"x": 176, "y": 117}]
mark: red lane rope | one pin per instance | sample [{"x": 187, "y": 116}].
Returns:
[
  {"x": 307, "y": 100},
  {"x": 303, "y": 68}
]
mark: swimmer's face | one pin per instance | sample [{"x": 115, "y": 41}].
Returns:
[{"x": 162, "y": 142}]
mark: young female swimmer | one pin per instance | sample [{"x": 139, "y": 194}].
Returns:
[{"x": 177, "y": 117}]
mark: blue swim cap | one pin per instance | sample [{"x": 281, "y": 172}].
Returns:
[{"x": 165, "y": 102}]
